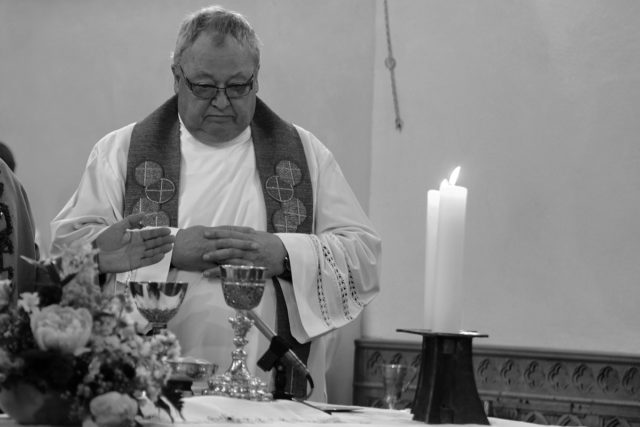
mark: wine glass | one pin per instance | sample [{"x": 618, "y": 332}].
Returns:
[
  {"x": 242, "y": 287},
  {"x": 158, "y": 302},
  {"x": 395, "y": 380}
]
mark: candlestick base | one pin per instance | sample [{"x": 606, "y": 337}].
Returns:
[{"x": 446, "y": 391}]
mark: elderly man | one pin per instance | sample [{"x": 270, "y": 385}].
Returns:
[{"x": 237, "y": 185}]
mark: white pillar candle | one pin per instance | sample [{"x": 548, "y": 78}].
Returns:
[
  {"x": 448, "y": 263},
  {"x": 433, "y": 207}
]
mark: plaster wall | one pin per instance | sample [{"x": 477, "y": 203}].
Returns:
[{"x": 537, "y": 101}]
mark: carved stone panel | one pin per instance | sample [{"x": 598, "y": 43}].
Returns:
[{"x": 544, "y": 387}]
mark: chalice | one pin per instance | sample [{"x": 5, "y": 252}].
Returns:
[
  {"x": 242, "y": 287},
  {"x": 395, "y": 381},
  {"x": 158, "y": 302}
]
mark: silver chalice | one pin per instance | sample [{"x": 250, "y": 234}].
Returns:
[
  {"x": 242, "y": 287},
  {"x": 158, "y": 302}
]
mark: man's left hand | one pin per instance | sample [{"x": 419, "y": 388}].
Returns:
[{"x": 270, "y": 250}]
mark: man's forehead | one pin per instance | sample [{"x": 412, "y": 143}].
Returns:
[
  {"x": 208, "y": 57},
  {"x": 212, "y": 41}
]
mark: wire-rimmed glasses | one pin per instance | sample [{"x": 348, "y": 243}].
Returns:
[{"x": 209, "y": 92}]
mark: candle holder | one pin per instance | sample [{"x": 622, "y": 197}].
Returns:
[{"x": 446, "y": 391}]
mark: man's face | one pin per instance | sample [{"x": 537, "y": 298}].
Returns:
[{"x": 207, "y": 62}]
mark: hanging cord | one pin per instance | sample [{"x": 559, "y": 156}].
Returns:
[{"x": 390, "y": 63}]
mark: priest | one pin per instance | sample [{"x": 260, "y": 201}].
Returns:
[{"x": 236, "y": 184}]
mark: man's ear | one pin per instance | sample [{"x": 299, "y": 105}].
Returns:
[
  {"x": 256, "y": 85},
  {"x": 176, "y": 78}
]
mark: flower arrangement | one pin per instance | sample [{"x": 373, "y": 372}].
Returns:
[{"x": 75, "y": 340}]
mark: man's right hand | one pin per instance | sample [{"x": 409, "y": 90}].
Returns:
[
  {"x": 191, "y": 245},
  {"x": 125, "y": 245}
]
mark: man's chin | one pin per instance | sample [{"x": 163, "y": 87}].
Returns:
[{"x": 216, "y": 134}]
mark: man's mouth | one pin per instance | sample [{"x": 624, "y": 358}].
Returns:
[{"x": 219, "y": 117}]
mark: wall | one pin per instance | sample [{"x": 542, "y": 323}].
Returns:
[
  {"x": 71, "y": 71},
  {"x": 537, "y": 101}
]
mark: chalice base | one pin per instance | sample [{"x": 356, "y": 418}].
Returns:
[
  {"x": 238, "y": 382},
  {"x": 155, "y": 328},
  {"x": 239, "y": 388}
]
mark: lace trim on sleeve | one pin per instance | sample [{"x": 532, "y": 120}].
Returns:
[
  {"x": 322, "y": 300},
  {"x": 338, "y": 276},
  {"x": 352, "y": 288}
]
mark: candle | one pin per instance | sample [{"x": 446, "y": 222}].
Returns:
[
  {"x": 433, "y": 207},
  {"x": 443, "y": 281}
]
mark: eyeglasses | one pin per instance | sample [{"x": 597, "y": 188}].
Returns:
[{"x": 211, "y": 91}]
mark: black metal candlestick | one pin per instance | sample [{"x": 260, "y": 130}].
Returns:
[{"x": 446, "y": 391}]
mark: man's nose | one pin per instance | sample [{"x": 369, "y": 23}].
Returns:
[{"x": 221, "y": 100}]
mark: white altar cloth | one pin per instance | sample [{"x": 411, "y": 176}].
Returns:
[
  {"x": 213, "y": 411},
  {"x": 203, "y": 411}
]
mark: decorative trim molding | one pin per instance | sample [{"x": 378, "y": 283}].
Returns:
[{"x": 526, "y": 384}]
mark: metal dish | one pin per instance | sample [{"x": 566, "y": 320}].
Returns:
[{"x": 192, "y": 369}]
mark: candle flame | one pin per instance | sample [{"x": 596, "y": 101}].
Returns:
[{"x": 454, "y": 176}]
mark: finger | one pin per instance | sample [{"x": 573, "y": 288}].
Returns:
[
  {"x": 121, "y": 228},
  {"x": 223, "y": 255},
  {"x": 235, "y": 232},
  {"x": 151, "y": 260},
  {"x": 211, "y": 272},
  {"x": 134, "y": 220},
  {"x": 240, "y": 228},
  {"x": 150, "y": 233},
  {"x": 158, "y": 250},
  {"x": 243, "y": 244},
  {"x": 159, "y": 241},
  {"x": 239, "y": 261},
  {"x": 130, "y": 222}
]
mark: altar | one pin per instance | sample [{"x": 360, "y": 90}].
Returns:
[{"x": 201, "y": 411}]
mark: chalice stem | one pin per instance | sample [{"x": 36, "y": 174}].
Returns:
[
  {"x": 157, "y": 328},
  {"x": 391, "y": 401},
  {"x": 241, "y": 325}
]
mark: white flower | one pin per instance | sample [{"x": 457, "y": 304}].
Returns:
[
  {"x": 65, "y": 329},
  {"x": 6, "y": 289},
  {"x": 112, "y": 342},
  {"x": 29, "y": 302},
  {"x": 145, "y": 349},
  {"x": 113, "y": 409}
]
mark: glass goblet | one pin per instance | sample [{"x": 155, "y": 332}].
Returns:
[
  {"x": 158, "y": 302},
  {"x": 242, "y": 287},
  {"x": 395, "y": 381}
]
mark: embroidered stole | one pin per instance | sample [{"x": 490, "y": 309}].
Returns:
[{"x": 153, "y": 182}]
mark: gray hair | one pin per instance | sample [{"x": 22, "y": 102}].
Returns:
[{"x": 216, "y": 20}]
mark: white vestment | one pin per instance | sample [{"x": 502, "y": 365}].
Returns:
[{"x": 335, "y": 270}]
